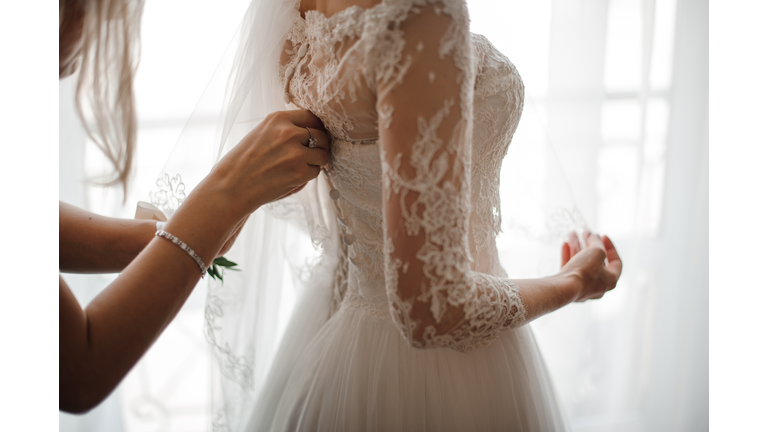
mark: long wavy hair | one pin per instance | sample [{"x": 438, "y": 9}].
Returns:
[{"x": 108, "y": 57}]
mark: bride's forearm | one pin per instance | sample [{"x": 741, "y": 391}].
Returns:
[{"x": 544, "y": 295}]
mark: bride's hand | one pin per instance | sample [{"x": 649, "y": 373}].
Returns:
[{"x": 596, "y": 267}]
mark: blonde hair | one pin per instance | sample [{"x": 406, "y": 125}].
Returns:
[{"x": 108, "y": 61}]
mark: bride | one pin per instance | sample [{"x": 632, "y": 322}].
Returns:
[{"x": 409, "y": 322}]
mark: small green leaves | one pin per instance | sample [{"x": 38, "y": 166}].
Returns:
[
  {"x": 223, "y": 262},
  {"x": 216, "y": 270}
]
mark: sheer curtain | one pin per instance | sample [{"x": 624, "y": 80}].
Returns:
[
  {"x": 618, "y": 87},
  {"x": 622, "y": 87}
]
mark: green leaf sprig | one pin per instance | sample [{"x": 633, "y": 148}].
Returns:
[{"x": 216, "y": 270}]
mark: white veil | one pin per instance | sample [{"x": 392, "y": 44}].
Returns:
[
  {"x": 294, "y": 242},
  {"x": 274, "y": 248}
]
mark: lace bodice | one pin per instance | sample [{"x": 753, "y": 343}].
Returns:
[{"x": 420, "y": 113}]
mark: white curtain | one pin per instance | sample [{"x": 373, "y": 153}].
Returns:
[
  {"x": 622, "y": 86},
  {"x": 618, "y": 87}
]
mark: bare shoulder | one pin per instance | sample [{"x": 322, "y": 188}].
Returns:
[{"x": 332, "y": 7}]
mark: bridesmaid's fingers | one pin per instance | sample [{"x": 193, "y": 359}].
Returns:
[
  {"x": 317, "y": 157},
  {"x": 317, "y": 134},
  {"x": 565, "y": 254},
  {"x": 304, "y": 118}
]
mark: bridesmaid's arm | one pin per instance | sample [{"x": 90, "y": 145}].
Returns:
[
  {"x": 100, "y": 343},
  {"x": 90, "y": 243}
]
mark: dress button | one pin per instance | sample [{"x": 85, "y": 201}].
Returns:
[
  {"x": 289, "y": 72},
  {"x": 303, "y": 51},
  {"x": 349, "y": 239},
  {"x": 287, "y": 97},
  {"x": 334, "y": 194}
]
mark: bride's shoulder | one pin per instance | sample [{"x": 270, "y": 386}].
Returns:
[
  {"x": 397, "y": 8},
  {"x": 394, "y": 30},
  {"x": 417, "y": 3},
  {"x": 383, "y": 25}
]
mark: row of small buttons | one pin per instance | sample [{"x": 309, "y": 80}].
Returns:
[{"x": 348, "y": 238}]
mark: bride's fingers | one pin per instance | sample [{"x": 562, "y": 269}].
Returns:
[
  {"x": 573, "y": 243},
  {"x": 593, "y": 240},
  {"x": 610, "y": 250},
  {"x": 614, "y": 265},
  {"x": 565, "y": 254}
]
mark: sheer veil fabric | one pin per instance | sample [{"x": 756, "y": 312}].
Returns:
[{"x": 420, "y": 113}]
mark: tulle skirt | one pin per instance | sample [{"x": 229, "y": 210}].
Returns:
[{"x": 355, "y": 372}]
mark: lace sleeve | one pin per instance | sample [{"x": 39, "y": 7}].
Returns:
[{"x": 424, "y": 100}]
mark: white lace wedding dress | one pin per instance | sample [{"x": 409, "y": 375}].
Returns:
[{"x": 427, "y": 331}]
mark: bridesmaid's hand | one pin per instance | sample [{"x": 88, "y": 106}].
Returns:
[
  {"x": 596, "y": 267},
  {"x": 270, "y": 162}
]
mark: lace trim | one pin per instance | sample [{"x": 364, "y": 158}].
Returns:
[{"x": 354, "y": 300}]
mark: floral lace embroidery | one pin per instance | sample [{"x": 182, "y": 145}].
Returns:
[
  {"x": 237, "y": 368},
  {"x": 169, "y": 193}
]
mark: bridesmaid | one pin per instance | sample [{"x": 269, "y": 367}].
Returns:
[{"x": 98, "y": 345}]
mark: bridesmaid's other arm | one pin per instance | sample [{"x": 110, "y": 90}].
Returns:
[{"x": 90, "y": 243}]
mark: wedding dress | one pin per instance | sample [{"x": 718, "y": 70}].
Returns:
[
  {"x": 422, "y": 329},
  {"x": 406, "y": 320}
]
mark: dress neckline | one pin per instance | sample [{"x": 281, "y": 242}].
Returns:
[{"x": 313, "y": 15}]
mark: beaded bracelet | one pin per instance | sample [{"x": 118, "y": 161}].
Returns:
[{"x": 184, "y": 247}]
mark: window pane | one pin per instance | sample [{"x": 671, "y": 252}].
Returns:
[
  {"x": 623, "y": 48},
  {"x": 617, "y": 189},
  {"x": 620, "y": 120},
  {"x": 663, "y": 38}
]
